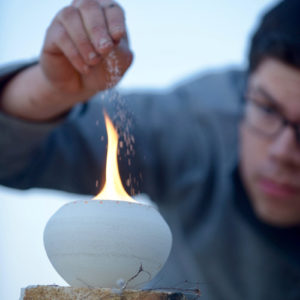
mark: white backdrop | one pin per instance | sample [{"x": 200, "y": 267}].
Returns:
[{"x": 171, "y": 40}]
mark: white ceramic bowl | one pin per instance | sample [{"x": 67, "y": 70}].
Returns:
[{"x": 95, "y": 243}]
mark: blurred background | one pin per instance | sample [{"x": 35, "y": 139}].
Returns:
[{"x": 171, "y": 39}]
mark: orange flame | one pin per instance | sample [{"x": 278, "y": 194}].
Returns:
[{"x": 113, "y": 188}]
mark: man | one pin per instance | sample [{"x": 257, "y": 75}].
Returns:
[{"x": 230, "y": 193}]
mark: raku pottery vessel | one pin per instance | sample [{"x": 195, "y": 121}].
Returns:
[{"x": 97, "y": 243}]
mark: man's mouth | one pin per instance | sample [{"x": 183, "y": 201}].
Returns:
[{"x": 277, "y": 190}]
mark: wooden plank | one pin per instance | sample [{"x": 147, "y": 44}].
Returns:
[{"x": 70, "y": 293}]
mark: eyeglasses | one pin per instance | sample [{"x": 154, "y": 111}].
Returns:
[{"x": 266, "y": 120}]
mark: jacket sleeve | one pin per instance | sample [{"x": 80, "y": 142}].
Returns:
[{"x": 60, "y": 155}]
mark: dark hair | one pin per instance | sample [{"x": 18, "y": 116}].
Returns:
[{"x": 278, "y": 36}]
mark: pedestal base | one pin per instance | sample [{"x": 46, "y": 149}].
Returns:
[{"x": 69, "y": 293}]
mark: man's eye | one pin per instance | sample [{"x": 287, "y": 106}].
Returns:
[{"x": 267, "y": 109}]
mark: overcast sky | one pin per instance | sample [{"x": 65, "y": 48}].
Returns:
[{"x": 172, "y": 39}]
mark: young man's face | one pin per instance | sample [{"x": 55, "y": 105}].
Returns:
[{"x": 269, "y": 152}]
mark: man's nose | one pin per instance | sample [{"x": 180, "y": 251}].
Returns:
[{"x": 285, "y": 148}]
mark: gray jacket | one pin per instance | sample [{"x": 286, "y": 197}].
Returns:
[{"x": 181, "y": 148}]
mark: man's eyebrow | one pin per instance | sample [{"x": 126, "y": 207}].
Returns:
[{"x": 267, "y": 96}]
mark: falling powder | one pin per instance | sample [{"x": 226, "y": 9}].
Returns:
[{"x": 122, "y": 118}]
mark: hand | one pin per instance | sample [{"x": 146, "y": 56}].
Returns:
[
  {"x": 85, "y": 51},
  {"x": 86, "y": 48}
]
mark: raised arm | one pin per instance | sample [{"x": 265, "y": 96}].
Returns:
[{"x": 85, "y": 51}]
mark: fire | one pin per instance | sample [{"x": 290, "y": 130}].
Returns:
[{"x": 113, "y": 188}]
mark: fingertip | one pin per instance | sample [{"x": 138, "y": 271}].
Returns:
[
  {"x": 105, "y": 45},
  {"x": 117, "y": 33},
  {"x": 93, "y": 58}
]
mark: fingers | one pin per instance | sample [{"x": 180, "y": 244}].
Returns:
[
  {"x": 94, "y": 21},
  {"x": 104, "y": 22},
  {"x": 115, "y": 21},
  {"x": 87, "y": 30},
  {"x": 58, "y": 38},
  {"x": 71, "y": 20}
]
